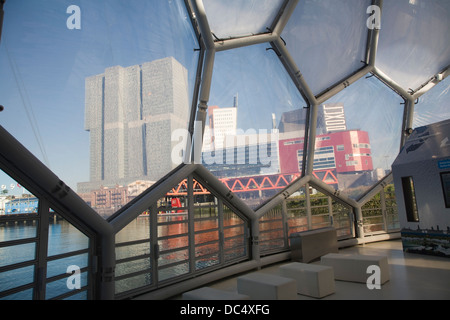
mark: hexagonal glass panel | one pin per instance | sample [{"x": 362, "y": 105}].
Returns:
[
  {"x": 235, "y": 18},
  {"x": 358, "y": 136},
  {"x": 380, "y": 213},
  {"x": 19, "y": 229},
  {"x": 95, "y": 90},
  {"x": 433, "y": 106},
  {"x": 414, "y": 38},
  {"x": 327, "y": 40},
  {"x": 254, "y": 108}
]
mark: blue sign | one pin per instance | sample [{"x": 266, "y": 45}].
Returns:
[{"x": 444, "y": 164}]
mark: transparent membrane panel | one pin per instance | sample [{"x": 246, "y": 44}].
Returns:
[
  {"x": 434, "y": 105},
  {"x": 272, "y": 230},
  {"x": 414, "y": 37},
  {"x": 95, "y": 89},
  {"x": 327, "y": 40},
  {"x": 358, "y": 136},
  {"x": 19, "y": 221},
  {"x": 254, "y": 109},
  {"x": 241, "y": 18}
]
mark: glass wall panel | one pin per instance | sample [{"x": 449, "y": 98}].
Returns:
[
  {"x": 133, "y": 254},
  {"x": 173, "y": 233},
  {"x": 433, "y": 106},
  {"x": 95, "y": 90},
  {"x": 235, "y": 237},
  {"x": 321, "y": 210},
  {"x": 234, "y": 18},
  {"x": 19, "y": 232},
  {"x": 380, "y": 213},
  {"x": 138, "y": 229},
  {"x": 272, "y": 230},
  {"x": 68, "y": 251},
  {"x": 342, "y": 220},
  {"x": 358, "y": 136},
  {"x": 392, "y": 220},
  {"x": 60, "y": 266},
  {"x": 254, "y": 108},
  {"x": 327, "y": 40},
  {"x": 16, "y": 278},
  {"x": 58, "y": 287},
  {"x": 414, "y": 38}
]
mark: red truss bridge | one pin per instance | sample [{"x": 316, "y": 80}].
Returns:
[{"x": 254, "y": 183}]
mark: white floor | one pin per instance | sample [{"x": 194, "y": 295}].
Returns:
[{"x": 412, "y": 276}]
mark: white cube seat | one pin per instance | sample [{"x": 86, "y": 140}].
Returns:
[
  {"x": 354, "y": 267},
  {"x": 312, "y": 279},
  {"x": 261, "y": 286},
  {"x": 208, "y": 293}
]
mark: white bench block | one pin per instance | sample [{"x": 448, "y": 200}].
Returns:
[
  {"x": 312, "y": 279},
  {"x": 307, "y": 246},
  {"x": 353, "y": 267},
  {"x": 261, "y": 286},
  {"x": 207, "y": 293}
]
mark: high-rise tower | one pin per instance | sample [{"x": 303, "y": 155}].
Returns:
[{"x": 131, "y": 113}]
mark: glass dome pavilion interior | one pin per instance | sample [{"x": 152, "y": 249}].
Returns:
[{"x": 152, "y": 147}]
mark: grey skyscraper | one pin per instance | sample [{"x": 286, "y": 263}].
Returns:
[{"x": 130, "y": 114}]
